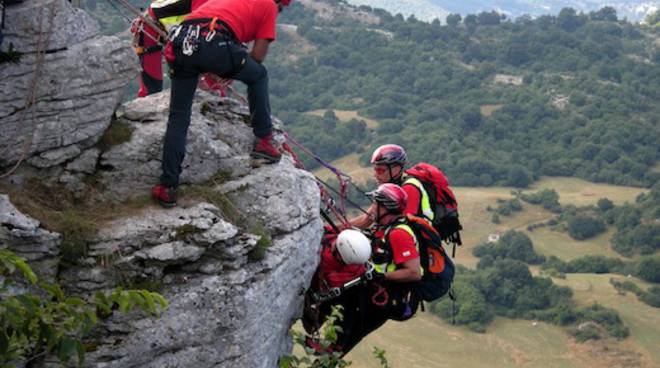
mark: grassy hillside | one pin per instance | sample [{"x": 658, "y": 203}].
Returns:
[
  {"x": 516, "y": 343},
  {"x": 428, "y": 342},
  {"x": 494, "y": 102}
]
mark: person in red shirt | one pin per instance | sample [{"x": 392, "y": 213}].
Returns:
[
  {"x": 395, "y": 257},
  {"x": 344, "y": 257},
  {"x": 210, "y": 40},
  {"x": 389, "y": 162},
  {"x": 148, "y": 43}
]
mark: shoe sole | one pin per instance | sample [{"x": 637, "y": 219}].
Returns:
[
  {"x": 263, "y": 156},
  {"x": 165, "y": 204}
]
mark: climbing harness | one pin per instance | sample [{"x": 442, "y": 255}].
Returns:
[
  {"x": 137, "y": 28},
  {"x": 332, "y": 293}
]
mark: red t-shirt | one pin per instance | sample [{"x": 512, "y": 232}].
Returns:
[
  {"x": 402, "y": 244},
  {"x": 249, "y": 19},
  {"x": 414, "y": 198}
]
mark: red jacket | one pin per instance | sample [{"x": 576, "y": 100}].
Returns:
[{"x": 332, "y": 271}]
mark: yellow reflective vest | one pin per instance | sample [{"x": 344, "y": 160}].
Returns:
[
  {"x": 425, "y": 200},
  {"x": 390, "y": 266}
]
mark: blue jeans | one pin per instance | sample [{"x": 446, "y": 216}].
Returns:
[{"x": 226, "y": 58}]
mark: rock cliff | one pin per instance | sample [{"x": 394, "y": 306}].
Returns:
[{"x": 232, "y": 259}]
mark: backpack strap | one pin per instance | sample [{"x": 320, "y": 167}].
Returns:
[
  {"x": 398, "y": 224},
  {"x": 425, "y": 207}
]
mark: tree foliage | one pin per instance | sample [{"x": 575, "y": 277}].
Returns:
[
  {"x": 45, "y": 321},
  {"x": 430, "y": 86},
  {"x": 512, "y": 245}
]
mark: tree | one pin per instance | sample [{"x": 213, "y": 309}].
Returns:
[
  {"x": 604, "y": 205},
  {"x": 453, "y": 19},
  {"x": 653, "y": 19},
  {"x": 606, "y": 13},
  {"x": 470, "y": 21},
  {"x": 648, "y": 268},
  {"x": 568, "y": 20},
  {"x": 519, "y": 176},
  {"x": 581, "y": 227},
  {"x": 471, "y": 118},
  {"x": 488, "y": 18}
]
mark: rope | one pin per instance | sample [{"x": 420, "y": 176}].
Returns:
[
  {"x": 325, "y": 196},
  {"x": 139, "y": 14},
  {"x": 31, "y": 96},
  {"x": 320, "y": 181},
  {"x": 119, "y": 11}
]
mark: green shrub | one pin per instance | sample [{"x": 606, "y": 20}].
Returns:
[
  {"x": 582, "y": 227},
  {"x": 45, "y": 321},
  {"x": 548, "y": 198},
  {"x": 648, "y": 268}
]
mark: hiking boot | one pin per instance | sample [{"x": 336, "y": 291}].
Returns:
[
  {"x": 165, "y": 196},
  {"x": 264, "y": 149}
]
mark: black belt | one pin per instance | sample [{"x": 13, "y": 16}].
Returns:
[{"x": 211, "y": 24}]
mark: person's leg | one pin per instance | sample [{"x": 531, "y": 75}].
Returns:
[
  {"x": 369, "y": 319},
  {"x": 151, "y": 75},
  {"x": 255, "y": 76},
  {"x": 174, "y": 147}
]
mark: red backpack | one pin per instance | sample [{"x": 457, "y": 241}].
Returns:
[{"x": 443, "y": 201}]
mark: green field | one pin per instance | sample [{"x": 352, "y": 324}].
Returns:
[
  {"x": 643, "y": 320},
  {"x": 427, "y": 341},
  {"x": 346, "y": 115}
]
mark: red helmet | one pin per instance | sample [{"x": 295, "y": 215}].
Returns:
[
  {"x": 391, "y": 196},
  {"x": 389, "y": 154}
]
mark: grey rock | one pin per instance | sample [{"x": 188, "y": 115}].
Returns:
[
  {"x": 237, "y": 319},
  {"x": 71, "y": 26},
  {"x": 172, "y": 253},
  {"x": 156, "y": 226},
  {"x": 219, "y": 140},
  {"x": 86, "y": 162},
  {"x": 279, "y": 195},
  {"x": 74, "y": 183},
  {"x": 55, "y": 156},
  {"x": 218, "y": 232},
  {"x": 136, "y": 165},
  {"x": 24, "y": 236},
  {"x": 227, "y": 309},
  {"x": 79, "y": 86}
]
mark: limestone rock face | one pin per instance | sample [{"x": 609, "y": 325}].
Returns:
[
  {"x": 23, "y": 235},
  {"x": 77, "y": 87},
  {"x": 237, "y": 315},
  {"x": 226, "y": 309},
  {"x": 218, "y": 141}
]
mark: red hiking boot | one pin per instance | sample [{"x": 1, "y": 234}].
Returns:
[
  {"x": 264, "y": 149},
  {"x": 165, "y": 196}
]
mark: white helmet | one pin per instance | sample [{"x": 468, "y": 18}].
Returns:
[{"x": 353, "y": 247}]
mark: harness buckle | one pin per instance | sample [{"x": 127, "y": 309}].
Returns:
[
  {"x": 174, "y": 32},
  {"x": 335, "y": 292},
  {"x": 190, "y": 42},
  {"x": 210, "y": 35}
]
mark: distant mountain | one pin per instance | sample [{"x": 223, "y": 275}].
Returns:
[
  {"x": 426, "y": 10},
  {"x": 631, "y": 9},
  {"x": 634, "y": 10}
]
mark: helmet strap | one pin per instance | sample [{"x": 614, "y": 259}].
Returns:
[
  {"x": 394, "y": 180},
  {"x": 377, "y": 217}
]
